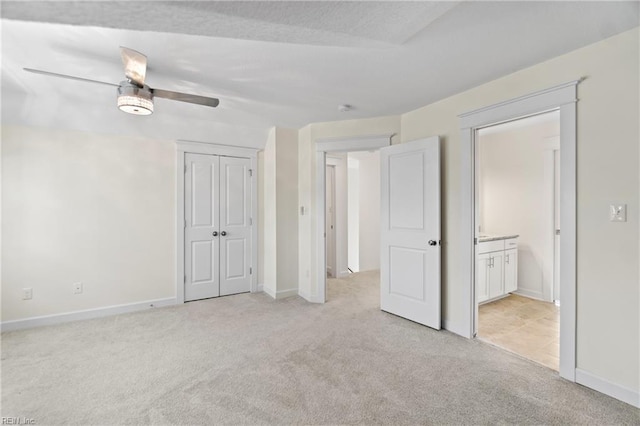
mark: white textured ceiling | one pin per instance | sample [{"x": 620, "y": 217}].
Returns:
[{"x": 276, "y": 63}]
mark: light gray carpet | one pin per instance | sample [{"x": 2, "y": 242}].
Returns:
[{"x": 247, "y": 359}]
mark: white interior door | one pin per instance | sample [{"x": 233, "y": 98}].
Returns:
[
  {"x": 235, "y": 225},
  {"x": 201, "y": 223},
  {"x": 410, "y": 231},
  {"x": 330, "y": 221},
  {"x": 556, "y": 222}
]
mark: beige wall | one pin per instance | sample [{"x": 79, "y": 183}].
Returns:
[
  {"x": 81, "y": 207},
  {"x": 287, "y": 219},
  {"x": 280, "y": 222},
  {"x": 608, "y": 323}
]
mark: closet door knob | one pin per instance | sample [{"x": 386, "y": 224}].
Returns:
[
  {"x": 223, "y": 233},
  {"x": 433, "y": 243},
  {"x": 215, "y": 233}
]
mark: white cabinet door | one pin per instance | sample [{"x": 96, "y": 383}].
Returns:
[
  {"x": 495, "y": 276},
  {"x": 201, "y": 214},
  {"x": 235, "y": 225},
  {"x": 510, "y": 270},
  {"x": 482, "y": 271},
  {"x": 410, "y": 231}
]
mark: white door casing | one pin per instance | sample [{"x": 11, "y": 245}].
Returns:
[
  {"x": 235, "y": 225},
  {"x": 410, "y": 283},
  {"x": 563, "y": 98},
  {"x": 330, "y": 221},
  {"x": 350, "y": 144}
]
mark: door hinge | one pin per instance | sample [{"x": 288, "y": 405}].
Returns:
[
  {"x": 250, "y": 221},
  {"x": 185, "y": 279},
  {"x": 185, "y": 168},
  {"x": 250, "y": 271},
  {"x": 185, "y": 224},
  {"x": 250, "y": 172}
]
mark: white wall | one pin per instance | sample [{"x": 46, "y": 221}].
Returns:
[
  {"x": 269, "y": 214},
  {"x": 514, "y": 198},
  {"x": 339, "y": 162},
  {"x": 608, "y": 294},
  {"x": 82, "y": 207},
  {"x": 369, "y": 186},
  {"x": 353, "y": 212}
]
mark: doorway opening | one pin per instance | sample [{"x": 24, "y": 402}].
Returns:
[
  {"x": 517, "y": 176},
  {"x": 352, "y": 221}
]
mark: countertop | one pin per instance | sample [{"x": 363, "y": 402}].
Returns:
[{"x": 484, "y": 238}]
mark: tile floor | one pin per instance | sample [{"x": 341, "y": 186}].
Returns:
[{"x": 527, "y": 327}]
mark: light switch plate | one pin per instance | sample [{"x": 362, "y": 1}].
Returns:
[{"x": 618, "y": 212}]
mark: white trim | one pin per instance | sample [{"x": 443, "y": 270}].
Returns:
[
  {"x": 270, "y": 292},
  {"x": 536, "y": 295},
  {"x": 260, "y": 288},
  {"x": 599, "y": 384},
  {"x": 85, "y": 314},
  {"x": 183, "y": 147},
  {"x": 533, "y": 103},
  {"x": 357, "y": 143},
  {"x": 321, "y": 277},
  {"x": 454, "y": 327},
  {"x": 564, "y": 98},
  {"x": 216, "y": 149},
  {"x": 306, "y": 296},
  {"x": 281, "y": 294}
]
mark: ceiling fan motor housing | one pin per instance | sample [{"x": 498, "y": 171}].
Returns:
[{"x": 134, "y": 99}]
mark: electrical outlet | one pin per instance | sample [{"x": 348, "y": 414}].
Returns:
[
  {"x": 77, "y": 288},
  {"x": 27, "y": 293}
]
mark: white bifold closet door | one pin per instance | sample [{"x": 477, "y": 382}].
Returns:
[{"x": 218, "y": 226}]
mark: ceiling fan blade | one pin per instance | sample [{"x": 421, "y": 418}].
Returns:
[
  {"x": 185, "y": 97},
  {"x": 135, "y": 65},
  {"x": 70, "y": 77}
]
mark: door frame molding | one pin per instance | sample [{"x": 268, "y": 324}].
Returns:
[
  {"x": 183, "y": 147},
  {"x": 563, "y": 98},
  {"x": 324, "y": 145}
]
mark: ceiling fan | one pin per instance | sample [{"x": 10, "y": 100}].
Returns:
[{"x": 134, "y": 96}]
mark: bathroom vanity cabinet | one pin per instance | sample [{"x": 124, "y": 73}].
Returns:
[{"x": 496, "y": 267}]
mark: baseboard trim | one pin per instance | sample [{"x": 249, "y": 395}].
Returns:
[
  {"x": 306, "y": 296},
  {"x": 530, "y": 294},
  {"x": 260, "y": 288},
  {"x": 455, "y": 328},
  {"x": 309, "y": 297},
  {"x": 606, "y": 387},
  {"x": 281, "y": 294},
  {"x": 85, "y": 314},
  {"x": 270, "y": 292}
]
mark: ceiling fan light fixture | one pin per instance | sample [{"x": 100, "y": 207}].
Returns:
[{"x": 135, "y": 100}]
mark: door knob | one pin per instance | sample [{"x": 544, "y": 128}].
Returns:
[
  {"x": 223, "y": 233},
  {"x": 433, "y": 243},
  {"x": 215, "y": 233}
]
